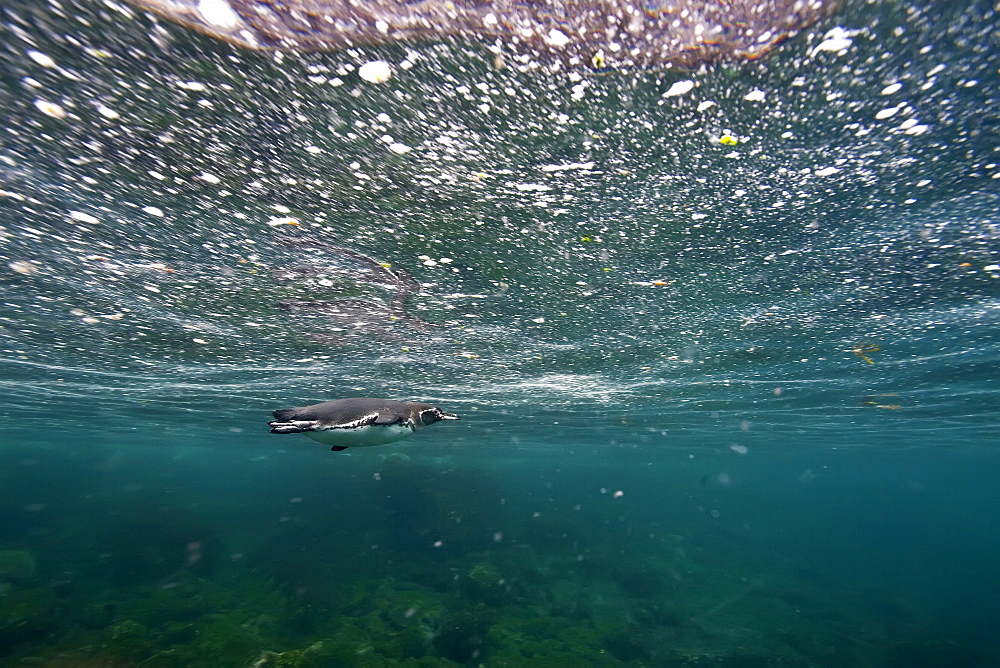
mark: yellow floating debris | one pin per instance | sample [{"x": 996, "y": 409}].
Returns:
[{"x": 864, "y": 346}]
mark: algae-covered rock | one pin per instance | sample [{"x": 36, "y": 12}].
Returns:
[
  {"x": 410, "y": 643},
  {"x": 295, "y": 658},
  {"x": 25, "y": 617},
  {"x": 179, "y": 633},
  {"x": 630, "y": 644},
  {"x": 462, "y": 636},
  {"x": 485, "y": 584},
  {"x": 17, "y": 565},
  {"x": 225, "y": 642},
  {"x": 401, "y": 605},
  {"x": 129, "y": 639}
]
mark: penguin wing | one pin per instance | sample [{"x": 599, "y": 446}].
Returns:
[
  {"x": 380, "y": 418},
  {"x": 389, "y": 417}
]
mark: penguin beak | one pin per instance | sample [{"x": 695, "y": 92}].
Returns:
[{"x": 449, "y": 416}]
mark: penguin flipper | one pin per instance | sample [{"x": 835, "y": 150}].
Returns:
[
  {"x": 338, "y": 448},
  {"x": 384, "y": 417}
]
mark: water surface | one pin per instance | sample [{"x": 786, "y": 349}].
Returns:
[{"x": 726, "y": 358}]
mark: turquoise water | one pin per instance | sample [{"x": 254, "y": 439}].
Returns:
[{"x": 727, "y": 372}]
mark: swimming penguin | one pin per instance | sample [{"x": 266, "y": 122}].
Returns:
[{"x": 357, "y": 422}]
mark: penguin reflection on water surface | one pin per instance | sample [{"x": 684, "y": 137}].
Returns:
[
  {"x": 349, "y": 317},
  {"x": 357, "y": 422}
]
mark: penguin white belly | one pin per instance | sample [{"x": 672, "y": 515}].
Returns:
[{"x": 361, "y": 436}]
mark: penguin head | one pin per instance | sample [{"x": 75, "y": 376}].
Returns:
[{"x": 428, "y": 414}]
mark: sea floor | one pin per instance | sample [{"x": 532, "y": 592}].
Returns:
[{"x": 193, "y": 557}]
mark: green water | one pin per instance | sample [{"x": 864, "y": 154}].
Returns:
[{"x": 722, "y": 403}]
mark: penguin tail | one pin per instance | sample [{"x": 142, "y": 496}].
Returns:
[{"x": 284, "y": 414}]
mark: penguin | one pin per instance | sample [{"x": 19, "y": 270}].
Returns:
[{"x": 357, "y": 422}]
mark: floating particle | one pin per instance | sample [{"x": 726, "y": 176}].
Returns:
[
  {"x": 41, "y": 58},
  {"x": 153, "y": 211},
  {"x": 83, "y": 217},
  {"x": 836, "y": 40},
  {"x": 375, "y": 71},
  {"x": 567, "y": 166},
  {"x": 399, "y": 148},
  {"x": 50, "y": 109},
  {"x": 827, "y": 171},
  {"x": 108, "y": 112},
  {"x": 892, "y": 88},
  {"x": 557, "y": 38},
  {"x": 618, "y": 494},
  {"x": 888, "y": 112},
  {"x": 739, "y": 449},
  {"x": 284, "y": 220},
  {"x": 680, "y": 88},
  {"x": 864, "y": 346},
  {"x": 209, "y": 178},
  {"x": 22, "y": 267},
  {"x": 218, "y": 13},
  {"x": 756, "y": 95}
]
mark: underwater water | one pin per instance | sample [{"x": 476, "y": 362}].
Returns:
[{"x": 725, "y": 344}]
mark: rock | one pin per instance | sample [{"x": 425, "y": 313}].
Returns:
[{"x": 17, "y": 565}]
